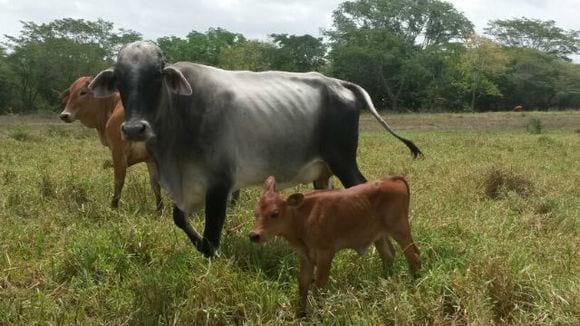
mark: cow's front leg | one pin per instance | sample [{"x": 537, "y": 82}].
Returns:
[
  {"x": 215, "y": 214},
  {"x": 181, "y": 221}
]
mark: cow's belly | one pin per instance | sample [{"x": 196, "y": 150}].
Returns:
[
  {"x": 193, "y": 195},
  {"x": 287, "y": 176}
]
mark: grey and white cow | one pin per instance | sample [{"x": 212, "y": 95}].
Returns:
[{"x": 213, "y": 131}]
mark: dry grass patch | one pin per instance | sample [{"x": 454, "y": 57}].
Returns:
[{"x": 498, "y": 180}]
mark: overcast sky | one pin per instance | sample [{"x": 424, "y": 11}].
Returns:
[{"x": 254, "y": 18}]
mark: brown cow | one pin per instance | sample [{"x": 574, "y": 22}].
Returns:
[
  {"x": 320, "y": 223},
  {"x": 106, "y": 115}
]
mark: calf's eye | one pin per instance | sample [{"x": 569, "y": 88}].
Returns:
[
  {"x": 83, "y": 93},
  {"x": 274, "y": 214}
]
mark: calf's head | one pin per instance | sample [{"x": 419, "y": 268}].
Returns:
[
  {"x": 141, "y": 75},
  {"x": 273, "y": 213},
  {"x": 79, "y": 102}
]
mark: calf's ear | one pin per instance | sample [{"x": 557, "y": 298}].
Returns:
[
  {"x": 295, "y": 200},
  {"x": 270, "y": 184},
  {"x": 103, "y": 85},
  {"x": 176, "y": 81}
]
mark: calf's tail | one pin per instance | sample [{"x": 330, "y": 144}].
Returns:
[{"x": 362, "y": 94}]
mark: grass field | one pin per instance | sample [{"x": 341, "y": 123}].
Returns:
[{"x": 495, "y": 211}]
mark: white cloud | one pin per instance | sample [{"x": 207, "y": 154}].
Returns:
[{"x": 254, "y": 18}]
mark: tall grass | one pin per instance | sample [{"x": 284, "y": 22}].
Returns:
[{"x": 496, "y": 216}]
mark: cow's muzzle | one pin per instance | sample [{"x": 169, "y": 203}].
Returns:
[
  {"x": 66, "y": 117},
  {"x": 139, "y": 130}
]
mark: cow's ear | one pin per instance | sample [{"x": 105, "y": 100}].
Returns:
[
  {"x": 270, "y": 184},
  {"x": 104, "y": 84},
  {"x": 295, "y": 200},
  {"x": 176, "y": 81}
]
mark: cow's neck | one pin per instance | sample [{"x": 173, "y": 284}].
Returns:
[{"x": 101, "y": 116}]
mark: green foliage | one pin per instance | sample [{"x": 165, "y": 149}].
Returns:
[
  {"x": 382, "y": 45},
  {"x": 418, "y": 55},
  {"x": 297, "y": 53},
  {"x": 535, "y": 34},
  {"x": 251, "y": 55},
  {"x": 45, "y": 58},
  {"x": 481, "y": 63},
  {"x": 199, "y": 47}
]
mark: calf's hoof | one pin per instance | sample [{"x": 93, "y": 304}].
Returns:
[{"x": 114, "y": 203}]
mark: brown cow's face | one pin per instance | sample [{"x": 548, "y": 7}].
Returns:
[
  {"x": 78, "y": 101},
  {"x": 273, "y": 213}
]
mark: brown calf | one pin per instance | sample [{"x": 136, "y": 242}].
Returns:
[
  {"x": 106, "y": 115},
  {"x": 320, "y": 223}
]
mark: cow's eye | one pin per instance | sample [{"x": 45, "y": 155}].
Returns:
[
  {"x": 275, "y": 214},
  {"x": 83, "y": 93}
]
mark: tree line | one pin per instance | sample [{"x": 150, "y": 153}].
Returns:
[{"x": 418, "y": 55}]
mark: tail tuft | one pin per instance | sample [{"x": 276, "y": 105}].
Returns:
[{"x": 415, "y": 151}]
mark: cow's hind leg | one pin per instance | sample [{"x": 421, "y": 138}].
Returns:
[
  {"x": 215, "y": 214},
  {"x": 181, "y": 221},
  {"x": 346, "y": 171}
]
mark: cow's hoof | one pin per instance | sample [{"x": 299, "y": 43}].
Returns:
[
  {"x": 206, "y": 249},
  {"x": 114, "y": 203}
]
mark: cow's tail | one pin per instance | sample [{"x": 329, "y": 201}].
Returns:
[{"x": 361, "y": 93}]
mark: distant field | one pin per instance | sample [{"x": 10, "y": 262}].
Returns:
[{"x": 495, "y": 212}]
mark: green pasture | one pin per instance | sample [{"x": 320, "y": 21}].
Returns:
[{"x": 495, "y": 210}]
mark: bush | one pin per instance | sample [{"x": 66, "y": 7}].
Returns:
[{"x": 534, "y": 126}]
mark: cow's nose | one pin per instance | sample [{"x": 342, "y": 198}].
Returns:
[
  {"x": 65, "y": 116},
  {"x": 134, "y": 130},
  {"x": 254, "y": 237}
]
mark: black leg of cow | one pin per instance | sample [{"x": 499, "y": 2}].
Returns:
[
  {"x": 348, "y": 174},
  {"x": 215, "y": 215},
  {"x": 235, "y": 198},
  {"x": 181, "y": 221}
]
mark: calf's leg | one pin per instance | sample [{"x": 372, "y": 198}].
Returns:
[
  {"x": 386, "y": 251},
  {"x": 304, "y": 280},
  {"x": 403, "y": 237},
  {"x": 323, "y": 263}
]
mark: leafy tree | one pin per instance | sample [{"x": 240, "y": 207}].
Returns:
[
  {"x": 199, "y": 47},
  {"x": 535, "y": 34},
  {"x": 45, "y": 58},
  {"x": 380, "y": 44},
  {"x": 297, "y": 52},
  {"x": 249, "y": 55},
  {"x": 532, "y": 79},
  {"x": 481, "y": 63},
  {"x": 5, "y": 89}
]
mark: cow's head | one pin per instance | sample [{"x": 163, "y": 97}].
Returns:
[
  {"x": 273, "y": 213},
  {"x": 79, "y": 102},
  {"x": 141, "y": 76}
]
